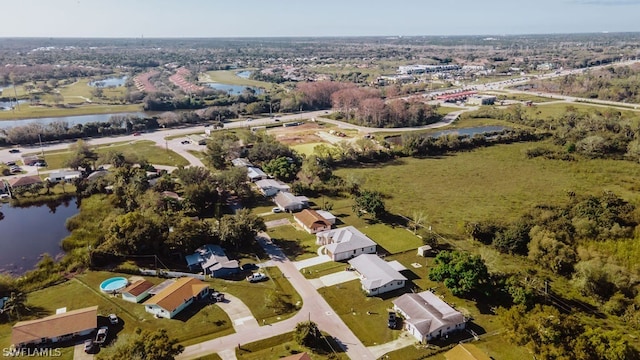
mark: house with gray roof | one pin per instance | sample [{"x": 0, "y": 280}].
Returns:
[
  {"x": 345, "y": 243},
  {"x": 241, "y": 162},
  {"x": 428, "y": 317},
  {"x": 270, "y": 187},
  {"x": 211, "y": 260},
  {"x": 254, "y": 174},
  {"x": 378, "y": 276},
  {"x": 288, "y": 202}
]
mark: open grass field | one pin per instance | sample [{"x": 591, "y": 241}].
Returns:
[
  {"x": 557, "y": 109},
  {"x": 525, "y": 97},
  {"x": 497, "y": 182},
  {"x": 142, "y": 149},
  {"x": 230, "y": 77},
  {"x": 295, "y": 242},
  {"x": 280, "y": 346},
  {"x": 307, "y": 149},
  {"x": 75, "y": 92},
  {"x": 444, "y": 110},
  {"x": 197, "y": 323},
  {"x": 26, "y": 111}
]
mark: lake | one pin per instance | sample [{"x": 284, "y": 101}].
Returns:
[
  {"x": 233, "y": 89},
  {"x": 244, "y": 74},
  {"x": 397, "y": 139},
  {"x": 112, "y": 81},
  {"x": 26, "y": 233},
  {"x": 72, "y": 120}
]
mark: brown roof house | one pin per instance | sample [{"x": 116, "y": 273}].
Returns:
[
  {"x": 137, "y": 291},
  {"x": 466, "y": 352},
  {"x": 427, "y": 317},
  {"x": 300, "y": 356},
  {"x": 312, "y": 221},
  {"x": 55, "y": 328},
  {"x": 24, "y": 181},
  {"x": 176, "y": 297}
]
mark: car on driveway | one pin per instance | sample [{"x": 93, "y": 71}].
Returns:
[
  {"x": 88, "y": 345},
  {"x": 185, "y": 142},
  {"x": 14, "y": 151},
  {"x": 101, "y": 336},
  {"x": 276, "y": 210},
  {"x": 392, "y": 321},
  {"x": 113, "y": 319},
  {"x": 136, "y": 134},
  {"x": 217, "y": 296},
  {"x": 256, "y": 277}
]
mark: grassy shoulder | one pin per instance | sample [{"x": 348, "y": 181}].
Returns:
[
  {"x": 144, "y": 149},
  {"x": 281, "y": 346}
]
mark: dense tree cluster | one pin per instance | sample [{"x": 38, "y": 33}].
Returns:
[{"x": 462, "y": 273}]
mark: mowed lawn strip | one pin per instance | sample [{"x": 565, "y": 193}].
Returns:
[
  {"x": 281, "y": 346},
  {"x": 295, "y": 242},
  {"x": 143, "y": 149}
]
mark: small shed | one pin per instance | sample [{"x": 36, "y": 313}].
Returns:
[{"x": 425, "y": 250}]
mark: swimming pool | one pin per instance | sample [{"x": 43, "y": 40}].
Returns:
[{"x": 114, "y": 284}]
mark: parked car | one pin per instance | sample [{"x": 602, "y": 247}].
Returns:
[
  {"x": 5, "y": 196},
  {"x": 40, "y": 164},
  {"x": 113, "y": 319},
  {"x": 392, "y": 321},
  {"x": 10, "y": 163},
  {"x": 185, "y": 142},
  {"x": 14, "y": 151},
  {"x": 136, "y": 134},
  {"x": 256, "y": 277},
  {"x": 101, "y": 336},
  {"x": 88, "y": 345},
  {"x": 276, "y": 210},
  {"x": 217, "y": 296}
]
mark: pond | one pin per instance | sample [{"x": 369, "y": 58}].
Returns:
[
  {"x": 72, "y": 120},
  {"x": 233, "y": 89},
  {"x": 397, "y": 139},
  {"x": 9, "y": 105},
  {"x": 244, "y": 74},
  {"x": 28, "y": 232},
  {"x": 112, "y": 81}
]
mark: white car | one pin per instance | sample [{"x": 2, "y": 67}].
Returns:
[
  {"x": 256, "y": 277},
  {"x": 113, "y": 319}
]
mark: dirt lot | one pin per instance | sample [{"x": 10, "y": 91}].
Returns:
[{"x": 295, "y": 135}]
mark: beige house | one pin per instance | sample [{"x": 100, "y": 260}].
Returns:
[
  {"x": 55, "y": 328},
  {"x": 312, "y": 221}
]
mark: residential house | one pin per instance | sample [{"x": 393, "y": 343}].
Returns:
[
  {"x": 212, "y": 260},
  {"x": 300, "y": 356},
  {"x": 24, "y": 181},
  {"x": 57, "y": 176},
  {"x": 288, "y": 202},
  {"x": 427, "y": 316},
  {"x": 270, "y": 187},
  {"x": 168, "y": 302},
  {"x": 466, "y": 351},
  {"x": 137, "y": 291},
  {"x": 55, "y": 328},
  {"x": 254, "y": 174},
  {"x": 378, "y": 276},
  {"x": 311, "y": 221},
  {"x": 241, "y": 162},
  {"x": 345, "y": 243}
]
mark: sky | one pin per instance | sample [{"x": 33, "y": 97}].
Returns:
[{"x": 272, "y": 18}]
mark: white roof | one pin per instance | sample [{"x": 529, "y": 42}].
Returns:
[
  {"x": 375, "y": 271},
  {"x": 271, "y": 183},
  {"x": 254, "y": 172},
  {"x": 325, "y": 214},
  {"x": 345, "y": 239},
  {"x": 427, "y": 312}
]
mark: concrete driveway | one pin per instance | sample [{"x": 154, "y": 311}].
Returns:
[
  {"x": 79, "y": 354},
  {"x": 335, "y": 279},
  {"x": 312, "y": 261},
  {"x": 241, "y": 317},
  {"x": 275, "y": 223},
  {"x": 404, "y": 340}
]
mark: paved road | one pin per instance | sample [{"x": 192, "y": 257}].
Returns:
[{"x": 314, "y": 307}]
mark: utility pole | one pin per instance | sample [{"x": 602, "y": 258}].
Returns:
[{"x": 41, "y": 149}]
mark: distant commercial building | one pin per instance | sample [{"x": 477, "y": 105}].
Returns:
[
  {"x": 421, "y": 69},
  {"x": 481, "y": 100}
]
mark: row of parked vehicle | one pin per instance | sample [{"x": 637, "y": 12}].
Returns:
[{"x": 101, "y": 335}]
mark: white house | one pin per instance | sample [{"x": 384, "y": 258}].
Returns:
[
  {"x": 255, "y": 174},
  {"x": 311, "y": 221},
  {"x": 137, "y": 291},
  {"x": 270, "y": 187},
  {"x": 288, "y": 202},
  {"x": 55, "y": 328},
  {"x": 168, "y": 302},
  {"x": 427, "y": 317},
  {"x": 63, "y": 175},
  {"x": 345, "y": 243},
  {"x": 378, "y": 276}
]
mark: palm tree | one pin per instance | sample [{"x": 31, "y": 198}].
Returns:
[
  {"x": 419, "y": 218},
  {"x": 15, "y": 306}
]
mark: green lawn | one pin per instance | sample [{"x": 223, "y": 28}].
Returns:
[
  {"x": 254, "y": 294},
  {"x": 525, "y": 97},
  {"x": 316, "y": 271},
  {"x": 230, "y": 77},
  {"x": 295, "y": 242},
  {"x": 144, "y": 149},
  {"x": 557, "y": 109},
  {"x": 196, "y": 323},
  {"x": 351, "y": 304},
  {"x": 280, "y": 346},
  {"x": 307, "y": 149},
  {"x": 26, "y": 111}
]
